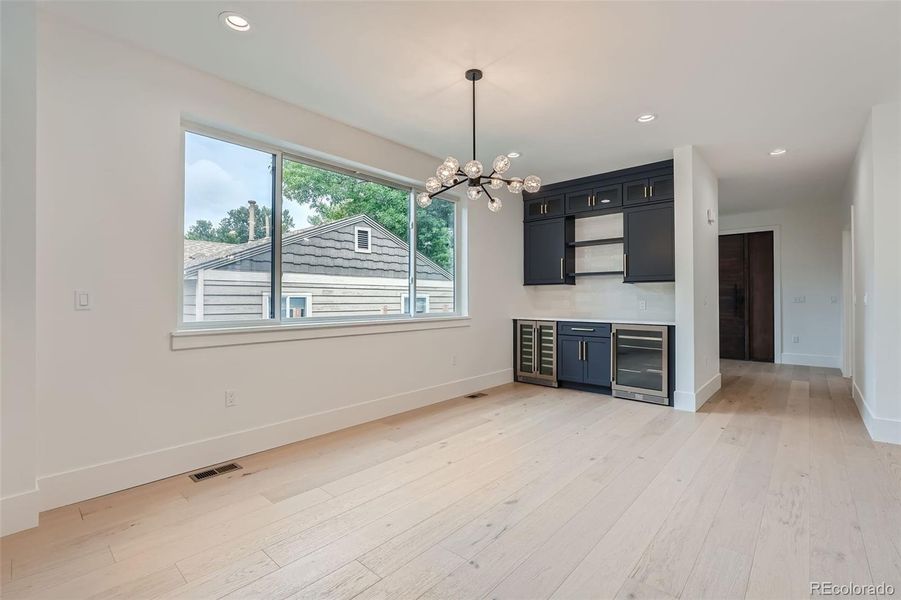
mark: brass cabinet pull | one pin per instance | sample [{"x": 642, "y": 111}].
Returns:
[
  {"x": 580, "y": 349},
  {"x": 645, "y": 191},
  {"x": 561, "y": 268},
  {"x": 582, "y": 328},
  {"x": 584, "y": 350},
  {"x": 652, "y": 191}
]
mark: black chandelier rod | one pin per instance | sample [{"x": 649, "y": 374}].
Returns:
[{"x": 473, "y": 118}]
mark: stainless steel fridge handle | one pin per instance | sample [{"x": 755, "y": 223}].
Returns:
[
  {"x": 582, "y": 328},
  {"x": 613, "y": 357}
]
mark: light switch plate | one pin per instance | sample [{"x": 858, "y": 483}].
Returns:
[{"x": 82, "y": 300}]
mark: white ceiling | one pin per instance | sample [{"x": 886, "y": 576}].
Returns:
[{"x": 563, "y": 81}]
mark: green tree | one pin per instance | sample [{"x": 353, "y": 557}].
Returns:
[
  {"x": 333, "y": 196},
  {"x": 234, "y": 228}
]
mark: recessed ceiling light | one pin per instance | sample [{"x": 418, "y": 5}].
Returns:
[
  {"x": 513, "y": 155},
  {"x": 646, "y": 118},
  {"x": 778, "y": 151},
  {"x": 233, "y": 20}
]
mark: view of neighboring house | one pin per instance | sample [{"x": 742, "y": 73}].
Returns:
[{"x": 347, "y": 268}]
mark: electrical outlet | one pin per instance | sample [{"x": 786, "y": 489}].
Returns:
[
  {"x": 800, "y": 299},
  {"x": 642, "y": 305},
  {"x": 454, "y": 360},
  {"x": 231, "y": 398},
  {"x": 796, "y": 339},
  {"x": 833, "y": 299}
]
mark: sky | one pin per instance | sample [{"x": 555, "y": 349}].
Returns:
[{"x": 220, "y": 176}]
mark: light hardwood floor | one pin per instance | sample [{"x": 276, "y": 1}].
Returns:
[{"x": 526, "y": 493}]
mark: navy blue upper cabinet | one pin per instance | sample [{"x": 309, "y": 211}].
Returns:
[
  {"x": 545, "y": 207},
  {"x": 548, "y": 259},
  {"x": 649, "y": 243},
  {"x": 550, "y": 215},
  {"x": 659, "y": 188},
  {"x": 594, "y": 199}
]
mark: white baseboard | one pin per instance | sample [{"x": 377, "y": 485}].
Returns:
[
  {"x": 812, "y": 360},
  {"x": 18, "y": 512},
  {"x": 693, "y": 401},
  {"x": 60, "y": 489},
  {"x": 880, "y": 429}
]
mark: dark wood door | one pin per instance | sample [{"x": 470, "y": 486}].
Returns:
[
  {"x": 649, "y": 243},
  {"x": 733, "y": 320},
  {"x": 760, "y": 296},
  {"x": 746, "y": 296},
  {"x": 544, "y": 252}
]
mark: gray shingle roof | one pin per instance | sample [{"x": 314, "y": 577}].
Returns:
[{"x": 325, "y": 249}]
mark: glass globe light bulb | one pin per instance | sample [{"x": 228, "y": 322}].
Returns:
[
  {"x": 473, "y": 169},
  {"x": 432, "y": 184},
  {"x": 501, "y": 164},
  {"x": 515, "y": 185},
  {"x": 495, "y": 183},
  {"x": 532, "y": 184},
  {"x": 423, "y": 199},
  {"x": 444, "y": 172},
  {"x": 452, "y": 162},
  {"x": 473, "y": 193},
  {"x": 495, "y": 205}
]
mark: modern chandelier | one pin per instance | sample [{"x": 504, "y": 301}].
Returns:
[{"x": 449, "y": 174}]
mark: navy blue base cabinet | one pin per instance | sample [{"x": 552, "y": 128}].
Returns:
[{"x": 583, "y": 353}]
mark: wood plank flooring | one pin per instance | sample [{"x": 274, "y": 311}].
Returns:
[{"x": 526, "y": 493}]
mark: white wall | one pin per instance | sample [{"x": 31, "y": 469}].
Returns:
[
  {"x": 112, "y": 394},
  {"x": 17, "y": 254},
  {"x": 808, "y": 238},
  {"x": 697, "y": 276},
  {"x": 874, "y": 192}
]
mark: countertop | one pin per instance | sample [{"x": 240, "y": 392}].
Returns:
[{"x": 598, "y": 320}]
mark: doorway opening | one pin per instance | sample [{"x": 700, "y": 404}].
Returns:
[{"x": 746, "y": 296}]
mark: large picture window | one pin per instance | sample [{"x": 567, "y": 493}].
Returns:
[{"x": 332, "y": 244}]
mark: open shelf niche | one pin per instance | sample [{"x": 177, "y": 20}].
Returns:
[{"x": 598, "y": 246}]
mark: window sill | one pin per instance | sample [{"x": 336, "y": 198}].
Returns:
[{"x": 190, "y": 339}]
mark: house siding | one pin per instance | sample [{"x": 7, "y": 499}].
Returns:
[{"x": 340, "y": 281}]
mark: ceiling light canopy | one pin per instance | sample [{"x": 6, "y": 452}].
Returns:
[
  {"x": 646, "y": 118},
  {"x": 233, "y": 20},
  {"x": 513, "y": 154},
  {"x": 450, "y": 174},
  {"x": 778, "y": 151}
]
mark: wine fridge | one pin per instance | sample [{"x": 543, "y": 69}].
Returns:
[
  {"x": 536, "y": 352},
  {"x": 639, "y": 362}
]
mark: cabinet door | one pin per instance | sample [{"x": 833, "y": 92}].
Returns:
[
  {"x": 533, "y": 209},
  {"x": 546, "y": 207},
  {"x": 553, "y": 206},
  {"x": 607, "y": 197},
  {"x": 649, "y": 243},
  {"x": 596, "y": 357},
  {"x": 544, "y": 252},
  {"x": 661, "y": 188},
  {"x": 580, "y": 201},
  {"x": 635, "y": 192},
  {"x": 525, "y": 349},
  {"x": 569, "y": 359},
  {"x": 547, "y": 340}
]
